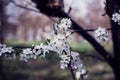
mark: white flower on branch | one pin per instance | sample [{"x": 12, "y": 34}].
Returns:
[
  {"x": 5, "y": 49},
  {"x": 80, "y": 74},
  {"x": 76, "y": 63},
  {"x": 38, "y": 50},
  {"x": 8, "y": 52},
  {"x": 116, "y": 17},
  {"x": 65, "y": 60},
  {"x": 101, "y": 34},
  {"x": 59, "y": 43},
  {"x": 63, "y": 25},
  {"x": 26, "y": 54},
  {"x": 71, "y": 60}
]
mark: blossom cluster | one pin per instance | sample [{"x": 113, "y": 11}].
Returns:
[
  {"x": 116, "y": 17},
  {"x": 34, "y": 52},
  {"x": 6, "y": 51},
  {"x": 101, "y": 34},
  {"x": 59, "y": 43}
]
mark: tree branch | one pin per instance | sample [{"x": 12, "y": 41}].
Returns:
[
  {"x": 111, "y": 9},
  {"x": 94, "y": 43}
]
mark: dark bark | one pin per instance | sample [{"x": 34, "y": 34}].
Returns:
[
  {"x": 116, "y": 70},
  {"x": 1, "y": 27},
  {"x": 1, "y": 37},
  {"x": 115, "y": 64},
  {"x": 50, "y": 7},
  {"x": 2, "y": 23},
  {"x": 116, "y": 46}
]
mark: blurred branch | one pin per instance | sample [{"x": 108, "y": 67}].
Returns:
[
  {"x": 2, "y": 27},
  {"x": 1, "y": 21},
  {"x": 91, "y": 30}
]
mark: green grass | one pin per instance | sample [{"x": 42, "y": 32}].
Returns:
[
  {"x": 81, "y": 47},
  {"x": 78, "y": 46},
  {"x": 25, "y": 43},
  {"x": 49, "y": 69}
]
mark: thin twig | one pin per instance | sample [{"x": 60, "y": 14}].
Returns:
[
  {"x": 70, "y": 68},
  {"x": 72, "y": 73},
  {"x": 91, "y": 30},
  {"x": 70, "y": 8}
]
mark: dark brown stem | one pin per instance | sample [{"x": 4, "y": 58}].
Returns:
[
  {"x": 72, "y": 73},
  {"x": 70, "y": 68},
  {"x": 82, "y": 77}
]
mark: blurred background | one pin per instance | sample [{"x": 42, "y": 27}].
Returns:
[{"x": 24, "y": 27}]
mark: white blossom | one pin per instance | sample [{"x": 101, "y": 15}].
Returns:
[
  {"x": 7, "y": 52},
  {"x": 101, "y": 34},
  {"x": 80, "y": 73},
  {"x": 64, "y": 24},
  {"x": 71, "y": 59},
  {"x": 5, "y": 49},
  {"x": 116, "y": 17},
  {"x": 59, "y": 43},
  {"x": 26, "y": 54},
  {"x": 76, "y": 63},
  {"x": 83, "y": 71}
]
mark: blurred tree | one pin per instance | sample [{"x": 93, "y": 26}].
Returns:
[
  {"x": 1, "y": 36},
  {"x": 2, "y": 27},
  {"x": 1, "y": 21}
]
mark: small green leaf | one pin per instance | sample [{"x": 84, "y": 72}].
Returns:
[
  {"x": 60, "y": 19},
  {"x": 48, "y": 40}
]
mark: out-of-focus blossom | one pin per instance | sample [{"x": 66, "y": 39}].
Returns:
[
  {"x": 4, "y": 50},
  {"x": 64, "y": 24},
  {"x": 116, "y": 17},
  {"x": 82, "y": 73},
  {"x": 101, "y": 34}
]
